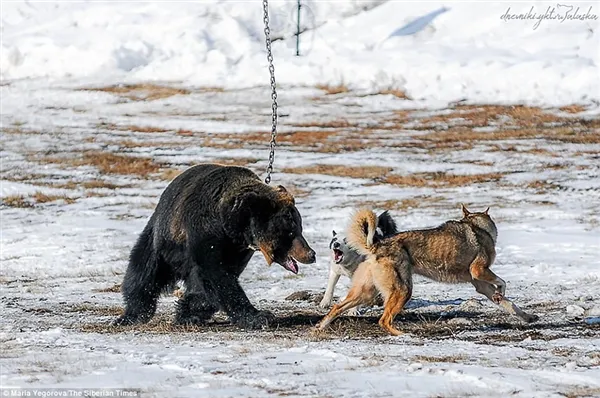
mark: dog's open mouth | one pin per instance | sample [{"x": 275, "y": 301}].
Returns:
[
  {"x": 290, "y": 264},
  {"x": 338, "y": 256}
]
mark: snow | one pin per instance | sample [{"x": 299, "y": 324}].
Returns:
[
  {"x": 434, "y": 51},
  {"x": 57, "y": 257}
]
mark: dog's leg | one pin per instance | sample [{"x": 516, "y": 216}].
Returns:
[
  {"x": 393, "y": 306},
  {"x": 361, "y": 292},
  {"x": 479, "y": 270},
  {"x": 394, "y": 281},
  {"x": 334, "y": 277},
  {"x": 489, "y": 291}
]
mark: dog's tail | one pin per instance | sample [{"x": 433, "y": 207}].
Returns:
[{"x": 361, "y": 231}]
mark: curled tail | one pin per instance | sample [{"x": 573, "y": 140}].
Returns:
[{"x": 361, "y": 231}]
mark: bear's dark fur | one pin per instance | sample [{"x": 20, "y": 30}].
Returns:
[{"x": 207, "y": 225}]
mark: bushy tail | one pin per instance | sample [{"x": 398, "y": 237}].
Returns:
[{"x": 362, "y": 230}]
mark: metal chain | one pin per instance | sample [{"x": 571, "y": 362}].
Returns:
[{"x": 273, "y": 92}]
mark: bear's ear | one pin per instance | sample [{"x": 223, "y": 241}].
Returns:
[
  {"x": 334, "y": 233},
  {"x": 236, "y": 212},
  {"x": 244, "y": 202},
  {"x": 284, "y": 195}
]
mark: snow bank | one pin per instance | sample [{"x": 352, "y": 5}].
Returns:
[{"x": 433, "y": 51}]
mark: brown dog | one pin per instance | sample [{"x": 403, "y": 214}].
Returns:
[{"x": 455, "y": 252}]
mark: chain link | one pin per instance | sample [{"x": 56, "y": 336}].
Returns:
[{"x": 273, "y": 92}]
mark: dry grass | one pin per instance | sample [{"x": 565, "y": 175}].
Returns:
[
  {"x": 111, "y": 289},
  {"x": 170, "y": 174},
  {"x": 573, "y": 137},
  {"x": 580, "y": 392},
  {"x": 107, "y": 163},
  {"x": 235, "y": 161},
  {"x": 440, "y": 179},
  {"x": 184, "y": 133},
  {"x": 382, "y": 175},
  {"x": 336, "y": 124},
  {"x": 446, "y": 358},
  {"x": 416, "y": 202},
  {"x": 210, "y": 89},
  {"x": 41, "y": 197},
  {"x": 141, "y": 92},
  {"x": 145, "y": 129},
  {"x": 396, "y": 92},
  {"x": 463, "y": 134},
  {"x": 46, "y": 180},
  {"x": 542, "y": 187},
  {"x": 370, "y": 172},
  {"x": 448, "y": 131},
  {"x": 16, "y": 201},
  {"x": 131, "y": 127},
  {"x": 572, "y": 108},
  {"x": 297, "y": 138},
  {"x": 95, "y": 309},
  {"x": 314, "y": 140},
  {"x": 150, "y": 144},
  {"x": 99, "y": 184},
  {"x": 19, "y": 131},
  {"x": 333, "y": 89},
  {"x": 487, "y": 115}
]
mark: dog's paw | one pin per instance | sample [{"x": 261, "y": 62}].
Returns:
[
  {"x": 325, "y": 303},
  {"x": 256, "y": 320}
]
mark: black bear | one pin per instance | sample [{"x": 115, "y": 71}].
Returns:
[{"x": 207, "y": 225}]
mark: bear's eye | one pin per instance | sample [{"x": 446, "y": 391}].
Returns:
[{"x": 291, "y": 234}]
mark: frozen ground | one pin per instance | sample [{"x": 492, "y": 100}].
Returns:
[
  {"x": 403, "y": 119},
  {"x": 82, "y": 170}
]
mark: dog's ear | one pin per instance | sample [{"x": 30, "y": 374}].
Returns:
[
  {"x": 486, "y": 211},
  {"x": 387, "y": 224},
  {"x": 464, "y": 210},
  {"x": 284, "y": 195},
  {"x": 334, "y": 233}
]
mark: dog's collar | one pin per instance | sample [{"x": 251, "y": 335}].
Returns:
[{"x": 253, "y": 247}]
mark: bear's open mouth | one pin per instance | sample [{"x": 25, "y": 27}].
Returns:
[
  {"x": 290, "y": 264},
  {"x": 338, "y": 256}
]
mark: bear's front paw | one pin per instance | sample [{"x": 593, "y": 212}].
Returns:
[
  {"x": 256, "y": 320},
  {"x": 125, "y": 320}
]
